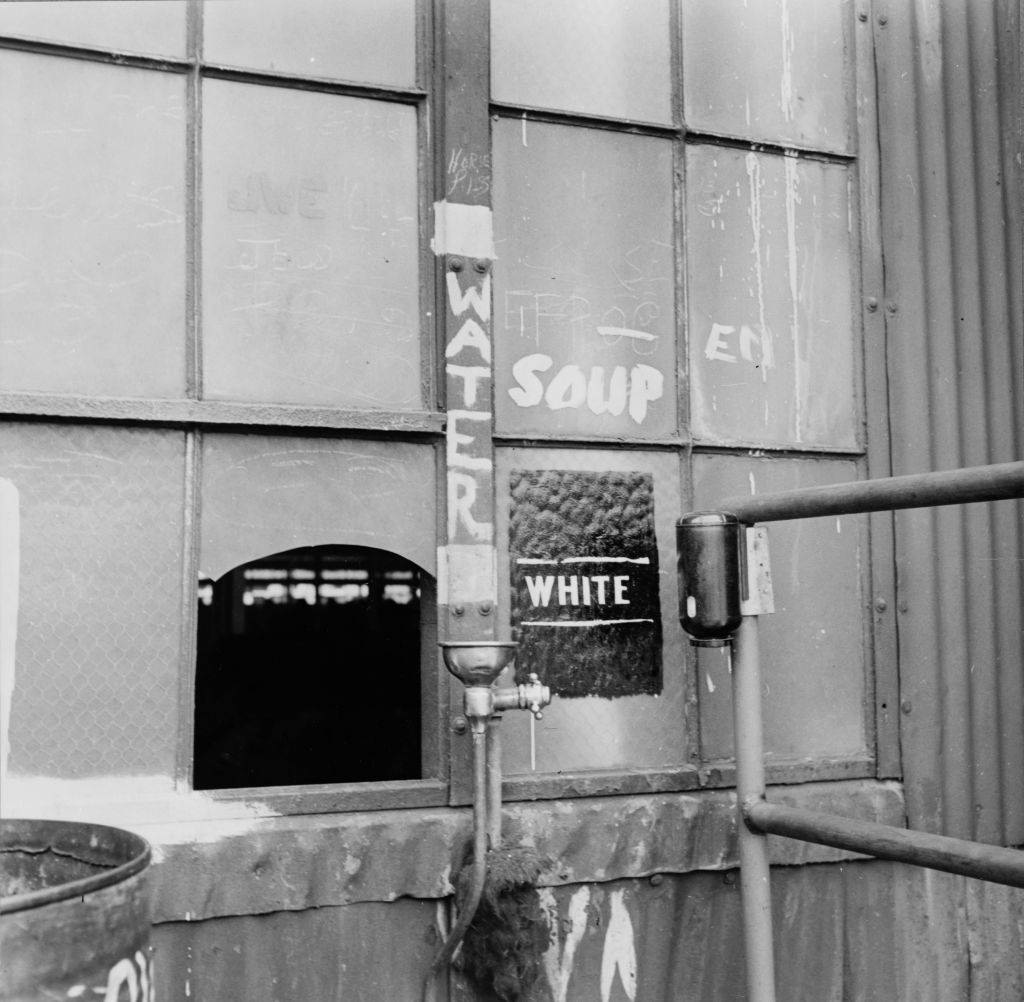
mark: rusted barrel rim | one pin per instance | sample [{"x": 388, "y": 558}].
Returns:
[{"x": 141, "y": 854}]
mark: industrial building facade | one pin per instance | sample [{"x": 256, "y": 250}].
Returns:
[{"x": 332, "y": 330}]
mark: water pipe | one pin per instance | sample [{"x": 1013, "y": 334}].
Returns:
[{"x": 477, "y": 665}]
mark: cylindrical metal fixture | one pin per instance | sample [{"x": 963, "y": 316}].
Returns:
[
  {"x": 708, "y": 553},
  {"x": 75, "y": 907},
  {"x": 755, "y": 878},
  {"x": 937, "y": 852},
  {"x": 918, "y": 490}
]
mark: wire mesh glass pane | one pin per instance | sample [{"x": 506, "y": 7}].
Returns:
[
  {"x": 99, "y": 627},
  {"x": 584, "y": 296},
  {"x": 367, "y": 41},
  {"x": 92, "y": 209},
  {"x": 600, "y": 57},
  {"x": 813, "y": 657},
  {"x": 773, "y": 322},
  {"x": 310, "y": 249},
  {"x": 154, "y": 27}
]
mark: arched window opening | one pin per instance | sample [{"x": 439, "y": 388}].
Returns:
[{"x": 308, "y": 670}]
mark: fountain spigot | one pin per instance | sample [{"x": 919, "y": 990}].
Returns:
[{"x": 530, "y": 695}]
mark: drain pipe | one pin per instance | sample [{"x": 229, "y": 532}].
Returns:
[{"x": 477, "y": 665}]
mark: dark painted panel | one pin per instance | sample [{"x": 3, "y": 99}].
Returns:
[
  {"x": 310, "y": 248},
  {"x": 584, "y": 566},
  {"x": 92, "y": 211},
  {"x": 600, "y": 57},
  {"x": 584, "y": 324}
]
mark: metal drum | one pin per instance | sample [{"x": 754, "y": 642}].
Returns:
[{"x": 74, "y": 913}]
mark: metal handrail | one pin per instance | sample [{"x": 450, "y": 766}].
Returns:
[
  {"x": 917, "y": 490},
  {"x": 757, "y": 818}
]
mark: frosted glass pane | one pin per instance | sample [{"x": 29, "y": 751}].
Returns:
[
  {"x": 310, "y": 249},
  {"x": 600, "y": 57},
  {"x": 92, "y": 212},
  {"x": 777, "y": 70},
  {"x": 369, "y": 41},
  {"x": 771, "y": 299},
  {"x": 155, "y": 27},
  {"x": 584, "y": 297},
  {"x": 813, "y": 659},
  {"x": 264, "y": 495}
]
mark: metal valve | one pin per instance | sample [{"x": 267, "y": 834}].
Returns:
[{"x": 531, "y": 695}]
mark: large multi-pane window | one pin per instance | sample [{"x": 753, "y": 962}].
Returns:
[{"x": 223, "y": 336}]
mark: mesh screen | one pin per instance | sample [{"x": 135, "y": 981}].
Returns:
[{"x": 99, "y": 623}]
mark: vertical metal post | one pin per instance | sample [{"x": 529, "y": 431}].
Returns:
[{"x": 754, "y": 878}]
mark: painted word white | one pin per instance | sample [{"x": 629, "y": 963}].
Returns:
[
  {"x": 719, "y": 349},
  {"x": 571, "y": 388},
  {"x": 577, "y": 589}
]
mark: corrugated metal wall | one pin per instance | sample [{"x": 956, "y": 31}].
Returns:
[{"x": 950, "y": 107}]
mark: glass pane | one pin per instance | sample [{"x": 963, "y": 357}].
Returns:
[
  {"x": 294, "y": 649},
  {"x": 600, "y": 57},
  {"x": 99, "y": 626},
  {"x": 155, "y": 27},
  {"x": 591, "y": 546},
  {"x": 777, "y": 70},
  {"x": 92, "y": 270},
  {"x": 583, "y": 289},
  {"x": 813, "y": 658},
  {"x": 367, "y": 41},
  {"x": 265, "y": 495},
  {"x": 771, "y": 301},
  {"x": 310, "y": 249}
]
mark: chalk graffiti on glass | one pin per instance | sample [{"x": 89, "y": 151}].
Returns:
[{"x": 584, "y": 576}]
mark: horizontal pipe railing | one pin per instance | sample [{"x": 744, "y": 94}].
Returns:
[
  {"x": 936, "y": 852},
  {"x": 918, "y": 490}
]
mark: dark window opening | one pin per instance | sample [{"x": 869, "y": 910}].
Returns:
[{"x": 308, "y": 670}]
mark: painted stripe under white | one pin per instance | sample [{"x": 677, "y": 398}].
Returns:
[
  {"x": 627, "y": 332},
  {"x": 462, "y": 229},
  {"x": 606, "y": 560},
  {"x": 534, "y": 561},
  {"x": 9, "y": 570},
  {"x": 583, "y": 622}
]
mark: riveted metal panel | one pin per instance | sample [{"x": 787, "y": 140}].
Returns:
[
  {"x": 950, "y": 99},
  {"x": 364, "y": 951},
  {"x": 98, "y": 647}
]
